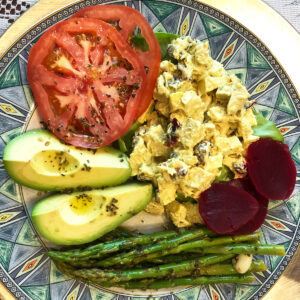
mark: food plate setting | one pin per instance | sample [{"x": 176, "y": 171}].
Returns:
[{"x": 239, "y": 153}]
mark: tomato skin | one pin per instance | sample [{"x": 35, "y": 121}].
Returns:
[
  {"x": 85, "y": 96},
  {"x": 129, "y": 19}
]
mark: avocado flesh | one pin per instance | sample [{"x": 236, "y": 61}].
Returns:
[
  {"x": 39, "y": 160},
  {"x": 78, "y": 218}
]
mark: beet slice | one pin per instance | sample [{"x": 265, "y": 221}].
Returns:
[
  {"x": 225, "y": 208},
  {"x": 271, "y": 169},
  {"x": 258, "y": 219}
]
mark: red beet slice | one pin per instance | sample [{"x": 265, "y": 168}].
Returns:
[
  {"x": 258, "y": 219},
  {"x": 271, "y": 169},
  {"x": 225, "y": 208}
]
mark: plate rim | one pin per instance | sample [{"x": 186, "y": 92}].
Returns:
[{"x": 6, "y": 44}]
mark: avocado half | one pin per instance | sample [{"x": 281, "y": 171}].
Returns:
[
  {"x": 37, "y": 159},
  {"x": 82, "y": 217}
]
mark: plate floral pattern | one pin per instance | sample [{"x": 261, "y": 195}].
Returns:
[{"x": 27, "y": 271}]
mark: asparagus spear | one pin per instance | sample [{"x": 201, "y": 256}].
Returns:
[
  {"x": 228, "y": 269},
  {"x": 172, "y": 282},
  {"x": 221, "y": 269},
  {"x": 176, "y": 258},
  {"x": 214, "y": 269},
  {"x": 167, "y": 283},
  {"x": 222, "y": 249},
  {"x": 118, "y": 233},
  {"x": 165, "y": 245},
  {"x": 207, "y": 242},
  {"x": 243, "y": 249},
  {"x": 162, "y": 249},
  {"x": 101, "y": 249},
  {"x": 157, "y": 271},
  {"x": 226, "y": 266}
]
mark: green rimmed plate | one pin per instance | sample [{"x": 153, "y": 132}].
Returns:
[{"x": 25, "y": 270}]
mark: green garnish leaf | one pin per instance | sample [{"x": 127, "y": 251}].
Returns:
[
  {"x": 122, "y": 145},
  {"x": 125, "y": 142},
  {"x": 164, "y": 39},
  {"x": 182, "y": 199},
  {"x": 225, "y": 175},
  {"x": 266, "y": 128},
  {"x": 140, "y": 42}
]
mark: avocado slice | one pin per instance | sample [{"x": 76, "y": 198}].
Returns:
[
  {"x": 39, "y": 160},
  {"x": 82, "y": 217}
]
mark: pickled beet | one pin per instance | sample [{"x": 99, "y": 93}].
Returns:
[
  {"x": 271, "y": 169},
  {"x": 258, "y": 219},
  {"x": 226, "y": 208}
]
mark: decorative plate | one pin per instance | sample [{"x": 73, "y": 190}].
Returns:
[{"x": 26, "y": 271}]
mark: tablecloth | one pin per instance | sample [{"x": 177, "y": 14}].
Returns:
[{"x": 11, "y": 9}]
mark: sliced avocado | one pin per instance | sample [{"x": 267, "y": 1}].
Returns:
[
  {"x": 39, "y": 160},
  {"x": 78, "y": 218}
]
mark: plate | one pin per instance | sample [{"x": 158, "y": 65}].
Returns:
[{"x": 26, "y": 270}]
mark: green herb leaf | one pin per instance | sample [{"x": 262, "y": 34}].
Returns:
[
  {"x": 181, "y": 198},
  {"x": 266, "y": 128},
  {"x": 140, "y": 42},
  {"x": 122, "y": 145},
  {"x": 225, "y": 175},
  {"x": 164, "y": 39},
  {"x": 125, "y": 142}
]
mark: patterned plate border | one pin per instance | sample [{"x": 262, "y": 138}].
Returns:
[{"x": 66, "y": 12}]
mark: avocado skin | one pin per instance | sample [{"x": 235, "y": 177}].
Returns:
[
  {"x": 58, "y": 222},
  {"x": 20, "y": 153}
]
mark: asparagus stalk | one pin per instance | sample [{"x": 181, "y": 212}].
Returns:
[
  {"x": 165, "y": 245},
  {"x": 242, "y": 249},
  {"x": 228, "y": 269},
  {"x": 119, "y": 233},
  {"x": 101, "y": 249},
  {"x": 219, "y": 249},
  {"x": 173, "y": 282},
  {"x": 184, "y": 281},
  {"x": 207, "y": 242},
  {"x": 222, "y": 269},
  {"x": 160, "y": 271},
  {"x": 214, "y": 269},
  {"x": 176, "y": 258}
]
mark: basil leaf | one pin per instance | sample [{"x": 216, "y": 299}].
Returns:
[
  {"x": 225, "y": 175},
  {"x": 266, "y": 128},
  {"x": 164, "y": 39}
]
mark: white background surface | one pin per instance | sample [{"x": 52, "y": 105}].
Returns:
[{"x": 289, "y": 9}]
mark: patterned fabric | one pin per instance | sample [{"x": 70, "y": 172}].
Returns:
[
  {"x": 11, "y": 9},
  {"x": 27, "y": 271}
]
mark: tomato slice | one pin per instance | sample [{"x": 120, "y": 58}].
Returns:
[
  {"x": 127, "y": 20},
  {"x": 87, "y": 82}
]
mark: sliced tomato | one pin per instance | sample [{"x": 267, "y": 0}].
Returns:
[
  {"x": 127, "y": 20},
  {"x": 87, "y": 82}
]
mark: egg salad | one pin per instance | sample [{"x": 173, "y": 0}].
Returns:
[{"x": 199, "y": 122}]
